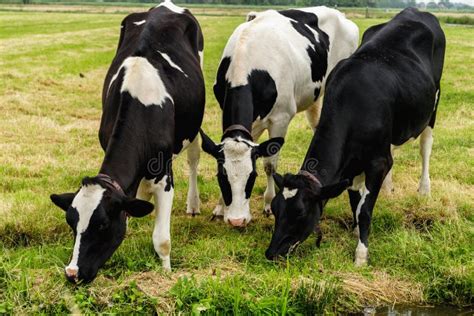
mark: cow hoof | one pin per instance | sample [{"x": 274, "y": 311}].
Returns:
[
  {"x": 267, "y": 211},
  {"x": 218, "y": 210},
  {"x": 424, "y": 190},
  {"x": 361, "y": 255},
  {"x": 166, "y": 265},
  {"x": 192, "y": 205},
  {"x": 193, "y": 212},
  {"x": 359, "y": 262}
]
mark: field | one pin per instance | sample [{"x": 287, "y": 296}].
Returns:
[{"x": 52, "y": 66}]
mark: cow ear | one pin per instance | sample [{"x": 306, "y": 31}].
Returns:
[
  {"x": 136, "y": 208},
  {"x": 251, "y": 16},
  {"x": 333, "y": 190},
  {"x": 63, "y": 201},
  {"x": 270, "y": 147},
  {"x": 278, "y": 178},
  {"x": 208, "y": 145}
]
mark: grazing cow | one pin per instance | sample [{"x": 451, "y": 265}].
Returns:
[
  {"x": 273, "y": 66},
  {"x": 153, "y": 105},
  {"x": 386, "y": 93}
]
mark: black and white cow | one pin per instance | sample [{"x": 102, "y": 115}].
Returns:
[
  {"x": 273, "y": 66},
  {"x": 386, "y": 93},
  {"x": 153, "y": 105}
]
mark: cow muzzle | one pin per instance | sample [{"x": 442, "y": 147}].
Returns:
[
  {"x": 72, "y": 274},
  {"x": 237, "y": 222}
]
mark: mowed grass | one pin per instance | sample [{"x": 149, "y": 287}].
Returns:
[{"x": 52, "y": 67}]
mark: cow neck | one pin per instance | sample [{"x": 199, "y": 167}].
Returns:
[
  {"x": 324, "y": 158},
  {"x": 238, "y": 108},
  {"x": 126, "y": 158},
  {"x": 123, "y": 166}
]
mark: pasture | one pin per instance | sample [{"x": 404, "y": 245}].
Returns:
[{"x": 52, "y": 66}]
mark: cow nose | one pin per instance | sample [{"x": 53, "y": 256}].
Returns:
[
  {"x": 71, "y": 274},
  {"x": 237, "y": 222}
]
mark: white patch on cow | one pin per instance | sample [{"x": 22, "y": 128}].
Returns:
[
  {"x": 161, "y": 232},
  {"x": 289, "y": 193},
  {"x": 361, "y": 254},
  {"x": 143, "y": 82},
  {"x": 170, "y": 5},
  {"x": 358, "y": 184},
  {"x": 139, "y": 22},
  {"x": 192, "y": 200},
  {"x": 114, "y": 77},
  {"x": 171, "y": 63},
  {"x": 426, "y": 144},
  {"x": 436, "y": 100},
  {"x": 85, "y": 202},
  {"x": 363, "y": 194},
  {"x": 201, "y": 58},
  {"x": 316, "y": 34},
  {"x": 238, "y": 167}
]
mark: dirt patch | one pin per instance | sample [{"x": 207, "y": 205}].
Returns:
[{"x": 381, "y": 289}]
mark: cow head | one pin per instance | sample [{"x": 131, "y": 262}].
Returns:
[
  {"x": 297, "y": 208},
  {"x": 236, "y": 172},
  {"x": 97, "y": 216}
]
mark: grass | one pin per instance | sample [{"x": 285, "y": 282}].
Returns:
[{"x": 52, "y": 69}]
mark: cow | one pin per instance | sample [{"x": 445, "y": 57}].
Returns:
[
  {"x": 153, "y": 105},
  {"x": 273, "y": 66},
  {"x": 385, "y": 94}
]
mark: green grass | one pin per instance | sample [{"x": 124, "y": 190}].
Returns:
[{"x": 422, "y": 249}]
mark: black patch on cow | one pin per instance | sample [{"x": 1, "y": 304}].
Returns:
[
  {"x": 72, "y": 218},
  {"x": 221, "y": 83},
  {"x": 317, "y": 91},
  {"x": 255, "y": 98},
  {"x": 238, "y": 107},
  {"x": 264, "y": 93},
  {"x": 169, "y": 182},
  {"x": 224, "y": 183},
  {"x": 250, "y": 182},
  {"x": 302, "y": 21}
]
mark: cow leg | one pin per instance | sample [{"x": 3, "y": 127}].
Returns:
[
  {"x": 163, "y": 194},
  {"x": 375, "y": 174},
  {"x": 426, "y": 143},
  {"x": 354, "y": 198},
  {"x": 218, "y": 211},
  {"x": 270, "y": 165},
  {"x": 387, "y": 185},
  {"x": 313, "y": 113},
  {"x": 192, "y": 201}
]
